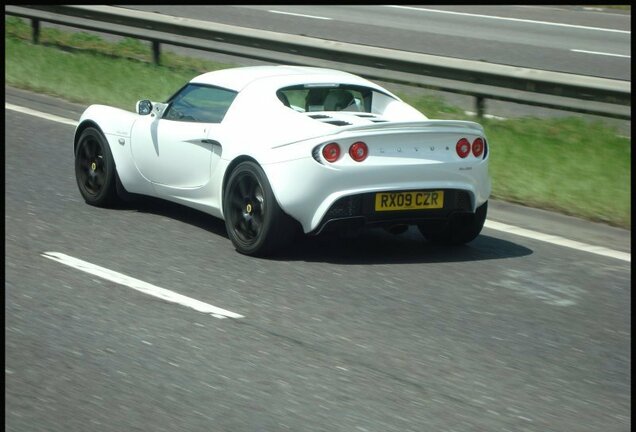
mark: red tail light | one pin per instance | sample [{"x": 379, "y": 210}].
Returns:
[
  {"x": 462, "y": 148},
  {"x": 478, "y": 147},
  {"x": 331, "y": 152},
  {"x": 358, "y": 151}
]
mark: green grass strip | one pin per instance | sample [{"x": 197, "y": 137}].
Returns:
[{"x": 568, "y": 164}]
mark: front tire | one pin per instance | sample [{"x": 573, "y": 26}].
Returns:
[
  {"x": 459, "y": 229},
  {"x": 255, "y": 223},
  {"x": 95, "y": 170}
]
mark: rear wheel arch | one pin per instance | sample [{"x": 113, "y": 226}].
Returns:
[
  {"x": 231, "y": 166},
  {"x": 255, "y": 223},
  {"x": 459, "y": 229}
]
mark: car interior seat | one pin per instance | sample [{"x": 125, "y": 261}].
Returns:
[{"x": 338, "y": 100}]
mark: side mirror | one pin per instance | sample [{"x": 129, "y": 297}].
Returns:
[{"x": 143, "y": 107}]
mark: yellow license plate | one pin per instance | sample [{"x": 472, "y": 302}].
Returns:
[{"x": 418, "y": 200}]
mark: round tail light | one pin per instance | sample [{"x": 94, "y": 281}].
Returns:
[
  {"x": 478, "y": 147},
  {"x": 358, "y": 151},
  {"x": 331, "y": 152},
  {"x": 462, "y": 148}
]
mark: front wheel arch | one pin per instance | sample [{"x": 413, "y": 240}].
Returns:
[
  {"x": 98, "y": 184},
  {"x": 81, "y": 128}
]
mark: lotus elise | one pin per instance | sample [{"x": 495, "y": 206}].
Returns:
[{"x": 280, "y": 150}]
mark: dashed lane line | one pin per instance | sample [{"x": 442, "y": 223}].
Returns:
[
  {"x": 601, "y": 53},
  {"x": 299, "y": 15},
  {"x": 521, "y": 20},
  {"x": 139, "y": 285}
]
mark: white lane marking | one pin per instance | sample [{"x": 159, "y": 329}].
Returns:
[
  {"x": 40, "y": 114},
  {"x": 513, "y": 19},
  {"x": 556, "y": 240},
  {"x": 299, "y": 15},
  {"x": 600, "y": 53},
  {"x": 140, "y": 285},
  {"x": 489, "y": 224}
]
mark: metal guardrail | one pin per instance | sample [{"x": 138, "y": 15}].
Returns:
[{"x": 577, "y": 93}]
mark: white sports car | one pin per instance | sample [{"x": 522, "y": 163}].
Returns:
[{"x": 274, "y": 150}]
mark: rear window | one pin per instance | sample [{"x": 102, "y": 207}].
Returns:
[{"x": 311, "y": 98}]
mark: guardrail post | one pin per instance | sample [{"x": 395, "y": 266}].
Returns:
[
  {"x": 480, "y": 105},
  {"x": 35, "y": 27},
  {"x": 156, "y": 52}
]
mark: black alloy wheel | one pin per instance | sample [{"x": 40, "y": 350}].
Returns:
[
  {"x": 95, "y": 169},
  {"x": 255, "y": 223},
  {"x": 247, "y": 207}
]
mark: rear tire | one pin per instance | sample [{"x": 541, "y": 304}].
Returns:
[
  {"x": 255, "y": 223},
  {"x": 95, "y": 170},
  {"x": 459, "y": 229}
]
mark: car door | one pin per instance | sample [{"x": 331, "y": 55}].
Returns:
[{"x": 174, "y": 146}]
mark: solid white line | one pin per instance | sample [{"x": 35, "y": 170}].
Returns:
[
  {"x": 489, "y": 224},
  {"x": 600, "y": 53},
  {"x": 300, "y": 15},
  {"x": 556, "y": 240},
  {"x": 140, "y": 285},
  {"x": 39, "y": 114},
  {"x": 513, "y": 19}
]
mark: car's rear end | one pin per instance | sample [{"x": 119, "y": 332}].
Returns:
[{"x": 385, "y": 173}]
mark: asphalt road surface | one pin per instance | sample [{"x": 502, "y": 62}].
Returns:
[
  {"x": 376, "y": 333},
  {"x": 560, "y": 38}
]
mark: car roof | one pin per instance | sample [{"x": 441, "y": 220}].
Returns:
[{"x": 238, "y": 78}]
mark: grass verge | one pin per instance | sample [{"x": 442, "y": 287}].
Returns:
[{"x": 569, "y": 165}]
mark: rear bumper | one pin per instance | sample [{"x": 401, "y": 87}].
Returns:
[
  {"x": 359, "y": 210},
  {"x": 311, "y": 192}
]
